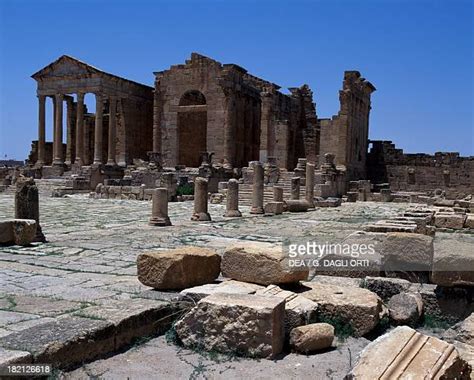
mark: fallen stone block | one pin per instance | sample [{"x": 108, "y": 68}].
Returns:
[
  {"x": 17, "y": 231},
  {"x": 386, "y": 287},
  {"x": 259, "y": 263},
  {"x": 444, "y": 202},
  {"x": 452, "y": 221},
  {"x": 229, "y": 287},
  {"x": 313, "y": 337},
  {"x": 469, "y": 223},
  {"x": 274, "y": 208},
  {"x": 297, "y": 205},
  {"x": 241, "y": 324},
  {"x": 178, "y": 268},
  {"x": 404, "y": 353},
  {"x": 406, "y": 252},
  {"x": 299, "y": 310},
  {"x": 453, "y": 263},
  {"x": 359, "y": 308},
  {"x": 328, "y": 202},
  {"x": 462, "y": 331},
  {"x": 387, "y": 226},
  {"x": 405, "y": 308}
]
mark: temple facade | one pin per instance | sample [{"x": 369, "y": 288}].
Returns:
[{"x": 201, "y": 106}]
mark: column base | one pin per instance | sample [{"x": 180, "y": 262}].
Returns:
[
  {"x": 233, "y": 214},
  {"x": 257, "y": 210},
  {"x": 57, "y": 162},
  {"x": 160, "y": 221},
  {"x": 201, "y": 217},
  {"x": 111, "y": 163}
]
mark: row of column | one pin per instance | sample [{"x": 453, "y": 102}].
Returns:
[
  {"x": 160, "y": 216},
  {"x": 58, "y": 158}
]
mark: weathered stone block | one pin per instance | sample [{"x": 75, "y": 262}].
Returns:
[
  {"x": 469, "y": 222},
  {"x": 360, "y": 308},
  {"x": 23, "y": 231},
  {"x": 297, "y": 205},
  {"x": 404, "y": 353},
  {"x": 453, "y": 221},
  {"x": 405, "y": 308},
  {"x": 462, "y": 331},
  {"x": 274, "y": 208},
  {"x": 453, "y": 263},
  {"x": 406, "y": 252},
  {"x": 313, "y": 337},
  {"x": 228, "y": 287},
  {"x": 260, "y": 263},
  {"x": 235, "y": 323},
  {"x": 178, "y": 268},
  {"x": 298, "y": 310}
]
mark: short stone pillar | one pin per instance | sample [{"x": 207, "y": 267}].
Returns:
[
  {"x": 386, "y": 195},
  {"x": 295, "y": 188},
  {"x": 27, "y": 204},
  {"x": 200, "y": 200},
  {"x": 309, "y": 185},
  {"x": 232, "y": 206},
  {"x": 159, "y": 211},
  {"x": 277, "y": 194},
  {"x": 257, "y": 190}
]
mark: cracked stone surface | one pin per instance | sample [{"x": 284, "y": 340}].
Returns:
[
  {"x": 158, "y": 358},
  {"x": 90, "y": 257}
]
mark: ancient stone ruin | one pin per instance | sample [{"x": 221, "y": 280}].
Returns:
[{"x": 285, "y": 235}]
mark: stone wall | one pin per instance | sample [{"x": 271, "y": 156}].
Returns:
[
  {"x": 346, "y": 134},
  {"x": 420, "y": 172}
]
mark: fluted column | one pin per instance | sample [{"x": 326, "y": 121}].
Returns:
[
  {"x": 98, "y": 129},
  {"x": 80, "y": 130},
  {"x": 58, "y": 135},
  {"x": 112, "y": 131},
  {"x": 69, "y": 130},
  {"x": 41, "y": 130}
]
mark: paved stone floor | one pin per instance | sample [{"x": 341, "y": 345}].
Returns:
[
  {"x": 157, "y": 359},
  {"x": 93, "y": 244}
]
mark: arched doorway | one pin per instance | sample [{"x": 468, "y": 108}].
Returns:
[{"x": 192, "y": 128}]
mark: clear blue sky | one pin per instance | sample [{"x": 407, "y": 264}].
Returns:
[{"x": 417, "y": 53}]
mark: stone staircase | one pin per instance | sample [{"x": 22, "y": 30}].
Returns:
[{"x": 245, "y": 189}]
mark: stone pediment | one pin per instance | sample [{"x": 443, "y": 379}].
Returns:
[{"x": 65, "y": 66}]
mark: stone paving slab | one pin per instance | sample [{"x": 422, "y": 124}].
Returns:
[
  {"x": 158, "y": 359},
  {"x": 90, "y": 258}
]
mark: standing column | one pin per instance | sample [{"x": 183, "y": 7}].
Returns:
[
  {"x": 27, "y": 204},
  {"x": 156, "y": 123},
  {"x": 159, "y": 213},
  {"x": 112, "y": 130},
  {"x": 257, "y": 190},
  {"x": 58, "y": 135},
  {"x": 232, "y": 206},
  {"x": 98, "y": 133},
  {"x": 309, "y": 185},
  {"x": 277, "y": 194},
  {"x": 69, "y": 130},
  {"x": 229, "y": 128},
  {"x": 41, "y": 130},
  {"x": 295, "y": 188},
  {"x": 200, "y": 200},
  {"x": 80, "y": 130}
]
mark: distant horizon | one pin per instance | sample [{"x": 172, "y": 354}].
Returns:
[{"x": 417, "y": 54}]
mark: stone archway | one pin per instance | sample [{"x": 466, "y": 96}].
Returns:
[{"x": 192, "y": 128}]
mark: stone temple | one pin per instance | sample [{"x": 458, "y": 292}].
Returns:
[{"x": 195, "y": 107}]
